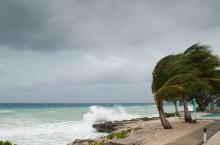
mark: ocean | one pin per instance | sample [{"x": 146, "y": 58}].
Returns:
[{"x": 59, "y": 124}]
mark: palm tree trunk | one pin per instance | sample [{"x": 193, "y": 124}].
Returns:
[
  {"x": 188, "y": 117},
  {"x": 176, "y": 108},
  {"x": 164, "y": 122}
]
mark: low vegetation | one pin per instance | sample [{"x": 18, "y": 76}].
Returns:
[
  {"x": 6, "y": 143},
  {"x": 118, "y": 135},
  {"x": 170, "y": 114}
]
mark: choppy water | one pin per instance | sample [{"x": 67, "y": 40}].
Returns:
[{"x": 59, "y": 124}]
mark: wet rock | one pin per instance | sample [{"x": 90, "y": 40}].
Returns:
[{"x": 108, "y": 126}]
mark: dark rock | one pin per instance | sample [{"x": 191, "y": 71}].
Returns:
[{"x": 108, "y": 126}]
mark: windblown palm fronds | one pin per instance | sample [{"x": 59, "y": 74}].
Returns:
[{"x": 186, "y": 75}]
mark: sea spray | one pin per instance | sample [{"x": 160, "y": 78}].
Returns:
[
  {"x": 59, "y": 124},
  {"x": 100, "y": 114}
]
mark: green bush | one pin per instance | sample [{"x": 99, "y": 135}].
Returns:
[
  {"x": 170, "y": 114},
  {"x": 1, "y": 143},
  {"x": 118, "y": 135},
  {"x": 123, "y": 134},
  {"x": 110, "y": 136},
  {"x": 5, "y": 143}
]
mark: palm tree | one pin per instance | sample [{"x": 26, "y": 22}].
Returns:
[
  {"x": 185, "y": 75},
  {"x": 182, "y": 86},
  {"x": 201, "y": 57},
  {"x": 159, "y": 78},
  {"x": 165, "y": 70}
]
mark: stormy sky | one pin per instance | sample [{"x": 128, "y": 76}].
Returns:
[{"x": 86, "y": 51}]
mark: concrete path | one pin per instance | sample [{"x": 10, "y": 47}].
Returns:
[
  {"x": 196, "y": 137},
  {"x": 214, "y": 140}
]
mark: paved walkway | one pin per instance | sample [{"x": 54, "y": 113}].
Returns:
[
  {"x": 196, "y": 137},
  {"x": 214, "y": 140}
]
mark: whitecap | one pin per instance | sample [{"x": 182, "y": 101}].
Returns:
[{"x": 99, "y": 114}]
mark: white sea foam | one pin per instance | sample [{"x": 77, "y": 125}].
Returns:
[
  {"x": 99, "y": 114},
  {"x": 25, "y": 129}
]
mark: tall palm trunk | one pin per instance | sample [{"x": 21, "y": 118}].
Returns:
[
  {"x": 176, "y": 108},
  {"x": 165, "y": 123},
  {"x": 188, "y": 117}
]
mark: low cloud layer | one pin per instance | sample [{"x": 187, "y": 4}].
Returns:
[{"x": 95, "y": 51}]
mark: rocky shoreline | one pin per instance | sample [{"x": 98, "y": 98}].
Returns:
[
  {"x": 110, "y": 126},
  {"x": 116, "y": 130}
]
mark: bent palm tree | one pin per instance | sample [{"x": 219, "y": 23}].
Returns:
[
  {"x": 201, "y": 57},
  {"x": 184, "y": 75},
  {"x": 165, "y": 69},
  {"x": 181, "y": 86}
]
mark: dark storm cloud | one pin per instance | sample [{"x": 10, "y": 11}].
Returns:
[
  {"x": 103, "y": 50},
  {"x": 44, "y": 25},
  {"x": 19, "y": 21}
]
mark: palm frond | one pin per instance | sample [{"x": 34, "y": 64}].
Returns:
[
  {"x": 166, "y": 93},
  {"x": 196, "y": 47},
  {"x": 192, "y": 73}
]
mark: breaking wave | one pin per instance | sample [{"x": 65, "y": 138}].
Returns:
[
  {"x": 100, "y": 114},
  {"x": 28, "y": 130}
]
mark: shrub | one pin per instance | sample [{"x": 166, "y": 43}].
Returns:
[
  {"x": 170, "y": 114},
  {"x": 5, "y": 143},
  {"x": 118, "y": 135}
]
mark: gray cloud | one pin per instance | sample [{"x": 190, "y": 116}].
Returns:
[
  {"x": 95, "y": 51},
  {"x": 43, "y": 25}
]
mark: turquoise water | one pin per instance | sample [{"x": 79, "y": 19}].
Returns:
[
  {"x": 212, "y": 116},
  {"x": 59, "y": 124}
]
